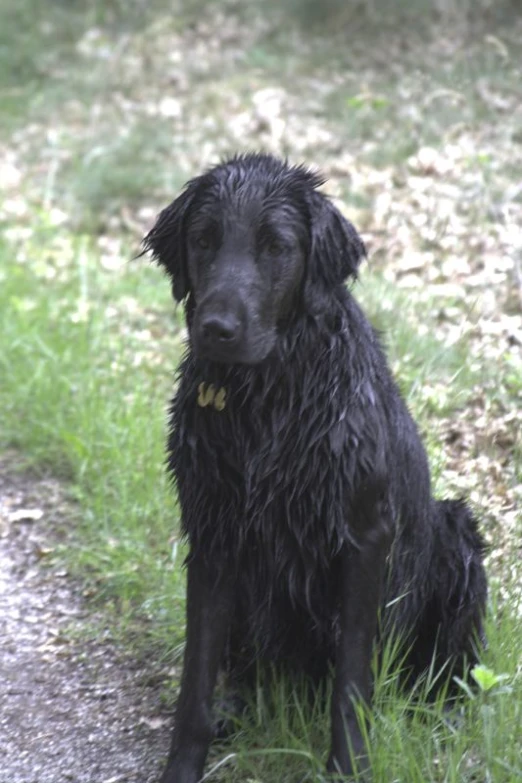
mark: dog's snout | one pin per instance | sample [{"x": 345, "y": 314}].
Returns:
[{"x": 220, "y": 328}]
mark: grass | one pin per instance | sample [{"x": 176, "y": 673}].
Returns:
[
  {"x": 410, "y": 739},
  {"x": 72, "y": 399},
  {"x": 89, "y": 345}
]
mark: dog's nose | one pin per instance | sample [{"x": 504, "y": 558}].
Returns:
[{"x": 220, "y": 329}]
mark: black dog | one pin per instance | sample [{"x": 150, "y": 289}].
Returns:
[{"x": 303, "y": 484}]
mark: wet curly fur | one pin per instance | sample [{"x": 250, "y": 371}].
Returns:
[{"x": 305, "y": 493}]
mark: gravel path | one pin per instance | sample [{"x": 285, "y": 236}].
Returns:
[{"x": 70, "y": 711}]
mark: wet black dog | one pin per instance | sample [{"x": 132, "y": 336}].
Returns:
[{"x": 303, "y": 484}]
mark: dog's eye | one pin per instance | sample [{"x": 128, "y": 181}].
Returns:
[
  {"x": 203, "y": 242},
  {"x": 274, "y": 247}
]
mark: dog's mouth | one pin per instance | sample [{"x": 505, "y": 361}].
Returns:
[
  {"x": 221, "y": 355},
  {"x": 237, "y": 356}
]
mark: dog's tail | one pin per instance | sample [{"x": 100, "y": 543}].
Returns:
[{"x": 450, "y": 631}]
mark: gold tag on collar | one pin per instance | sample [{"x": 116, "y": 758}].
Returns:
[{"x": 209, "y": 395}]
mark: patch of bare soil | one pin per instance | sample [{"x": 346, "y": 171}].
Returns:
[{"x": 70, "y": 710}]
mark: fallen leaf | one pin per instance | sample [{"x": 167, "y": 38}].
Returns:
[{"x": 26, "y": 515}]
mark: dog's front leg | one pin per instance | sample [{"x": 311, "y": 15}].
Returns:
[
  {"x": 361, "y": 576},
  {"x": 209, "y": 600}
]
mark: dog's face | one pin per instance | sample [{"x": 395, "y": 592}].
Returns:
[
  {"x": 245, "y": 254},
  {"x": 241, "y": 243}
]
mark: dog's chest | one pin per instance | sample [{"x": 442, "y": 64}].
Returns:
[
  {"x": 287, "y": 437},
  {"x": 263, "y": 473},
  {"x": 276, "y": 440}
]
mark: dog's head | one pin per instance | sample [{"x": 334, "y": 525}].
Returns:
[{"x": 246, "y": 244}]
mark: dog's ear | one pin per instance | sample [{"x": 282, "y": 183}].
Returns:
[
  {"x": 336, "y": 248},
  {"x": 166, "y": 241}
]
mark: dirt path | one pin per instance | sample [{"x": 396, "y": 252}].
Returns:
[{"x": 69, "y": 711}]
